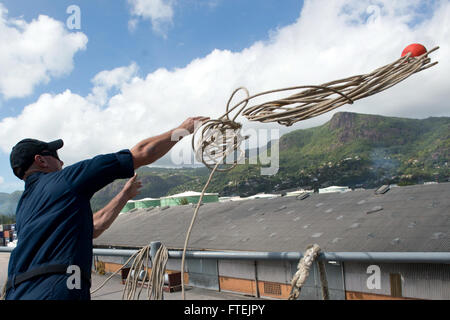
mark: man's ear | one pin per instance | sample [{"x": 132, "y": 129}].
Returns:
[{"x": 40, "y": 161}]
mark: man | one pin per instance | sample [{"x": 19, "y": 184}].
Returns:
[{"x": 54, "y": 220}]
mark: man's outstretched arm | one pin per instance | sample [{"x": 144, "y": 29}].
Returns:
[
  {"x": 106, "y": 216},
  {"x": 149, "y": 150}
]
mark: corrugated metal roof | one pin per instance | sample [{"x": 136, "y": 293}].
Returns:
[{"x": 411, "y": 218}]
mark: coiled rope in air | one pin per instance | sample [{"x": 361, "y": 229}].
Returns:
[{"x": 220, "y": 137}]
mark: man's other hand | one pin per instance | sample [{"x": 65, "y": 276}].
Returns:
[{"x": 131, "y": 188}]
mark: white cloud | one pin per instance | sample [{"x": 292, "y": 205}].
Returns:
[
  {"x": 33, "y": 53},
  {"x": 159, "y": 12},
  {"x": 106, "y": 80},
  {"x": 2, "y": 180},
  {"x": 211, "y": 4},
  {"x": 132, "y": 24},
  {"x": 329, "y": 41}
]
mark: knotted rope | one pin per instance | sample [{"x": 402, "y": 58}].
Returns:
[{"x": 302, "y": 273}]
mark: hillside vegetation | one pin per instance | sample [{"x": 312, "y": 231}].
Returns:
[{"x": 355, "y": 150}]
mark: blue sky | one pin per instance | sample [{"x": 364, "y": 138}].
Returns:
[
  {"x": 197, "y": 29},
  {"x": 136, "y": 68}
]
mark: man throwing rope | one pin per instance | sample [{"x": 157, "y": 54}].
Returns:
[{"x": 55, "y": 224}]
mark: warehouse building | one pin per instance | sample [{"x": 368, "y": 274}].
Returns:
[
  {"x": 390, "y": 219},
  {"x": 8, "y": 235},
  {"x": 147, "y": 203},
  {"x": 130, "y": 205},
  {"x": 188, "y": 197},
  {"x": 173, "y": 200}
]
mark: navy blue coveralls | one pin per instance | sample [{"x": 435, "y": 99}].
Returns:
[{"x": 55, "y": 226}]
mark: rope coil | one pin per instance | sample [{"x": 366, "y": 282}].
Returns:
[{"x": 139, "y": 272}]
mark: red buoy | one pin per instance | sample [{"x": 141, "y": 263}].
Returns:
[{"x": 416, "y": 50}]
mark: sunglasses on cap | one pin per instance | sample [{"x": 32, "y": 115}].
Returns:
[{"x": 50, "y": 153}]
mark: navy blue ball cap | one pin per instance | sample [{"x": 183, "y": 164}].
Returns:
[{"x": 22, "y": 154}]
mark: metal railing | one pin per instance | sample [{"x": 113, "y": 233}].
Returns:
[{"x": 387, "y": 257}]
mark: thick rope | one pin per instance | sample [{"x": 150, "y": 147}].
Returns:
[
  {"x": 139, "y": 267},
  {"x": 320, "y": 99},
  {"x": 3, "y": 295},
  {"x": 114, "y": 273},
  {"x": 156, "y": 282},
  {"x": 302, "y": 273},
  {"x": 323, "y": 280}
]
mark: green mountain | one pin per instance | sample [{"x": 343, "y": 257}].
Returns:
[
  {"x": 355, "y": 150},
  {"x": 366, "y": 150},
  {"x": 8, "y": 202},
  {"x": 156, "y": 182}
]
